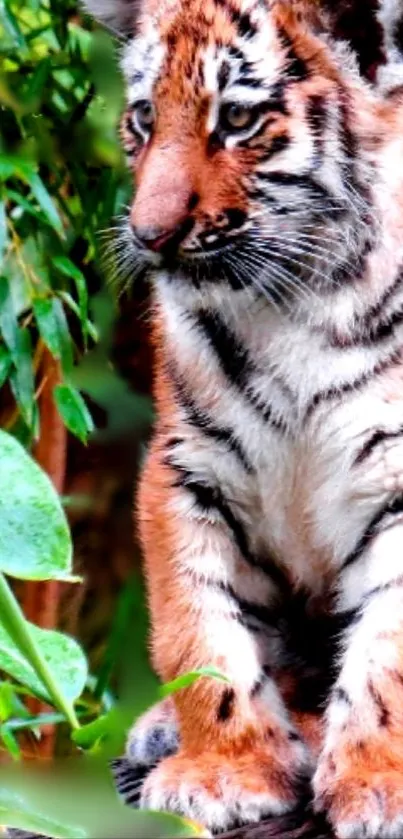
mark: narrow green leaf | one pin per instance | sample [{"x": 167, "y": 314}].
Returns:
[
  {"x": 67, "y": 267},
  {"x": 26, "y": 205},
  {"x": 48, "y": 323},
  {"x": 8, "y": 319},
  {"x": 73, "y": 411},
  {"x": 3, "y": 230},
  {"x": 62, "y": 654},
  {"x": 37, "y": 721},
  {"x": 11, "y": 24},
  {"x": 5, "y": 364},
  {"x": 71, "y": 303},
  {"x": 65, "y": 341},
  {"x": 45, "y": 202},
  {"x": 35, "y": 539},
  {"x": 190, "y": 678},
  {"x": 6, "y": 701},
  {"x": 12, "y": 164},
  {"x": 38, "y": 79},
  {"x": 10, "y": 743},
  {"x": 88, "y": 735},
  {"x": 22, "y": 377}
]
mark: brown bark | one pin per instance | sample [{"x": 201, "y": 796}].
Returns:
[{"x": 41, "y": 600}]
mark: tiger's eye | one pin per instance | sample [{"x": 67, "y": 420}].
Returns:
[
  {"x": 236, "y": 117},
  {"x": 144, "y": 114}
]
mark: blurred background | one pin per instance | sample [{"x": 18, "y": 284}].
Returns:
[{"x": 65, "y": 304}]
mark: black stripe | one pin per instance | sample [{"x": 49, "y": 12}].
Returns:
[
  {"x": 247, "y": 609},
  {"x": 296, "y": 67},
  {"x": 382, "y": 710},
  {"x": 246, "y": 27},
  {"x": 317, "y": 120},
  {"x": 198, "y": 418},
  {"x": 341, "y": 695},
  {"x": 258, "y": 686},
  {"x": 278, "y": 144},
  {"x": 236, "y": 364},
  {"x": 305, "y": 182},
  {"x": 377, "y": 309},
  {"x": 377, "y": 437},
  {"x": 234, "y": 358},
  {"x": 353, "y": 269},
  {"x": 209, "y": 498},
  {"x": 226, "y": 707},
  {"x": 392, "y": 508},
  {"x": 366, "y": 333},
  {"x": 333, "y": 393},
  {"x": 242, "y": 20},
  {"x": 382, "y": 589}
]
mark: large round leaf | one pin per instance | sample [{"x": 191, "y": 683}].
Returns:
[
  {"x": 63, "y": 655},
  {"x": 35, "y": 540}
]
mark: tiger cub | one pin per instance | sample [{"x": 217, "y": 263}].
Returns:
[{"x": 269, "y": 217}]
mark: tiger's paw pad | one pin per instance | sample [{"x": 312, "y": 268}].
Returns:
[
  {"x": 363, "y": 805},
  {"x": 154, "y": 736},
  {"x": 220, "y": 792}
]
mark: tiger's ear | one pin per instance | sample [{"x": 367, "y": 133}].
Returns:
[{"x": 117, "y": 15}]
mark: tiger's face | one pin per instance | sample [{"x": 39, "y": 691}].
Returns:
[{"x": 238, "y": 130}]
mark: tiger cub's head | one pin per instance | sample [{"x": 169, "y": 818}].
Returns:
[{"x": 239, "y": 129}]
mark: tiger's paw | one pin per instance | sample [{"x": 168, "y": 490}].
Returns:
[
  {"x": 154, "y": 736},
  {"x": 220, "y": 791},
  {"x": 360, "y": 803}
]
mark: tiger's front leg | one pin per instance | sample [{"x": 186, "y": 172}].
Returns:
[
  {"x": 359, "y": 780},
  {"x": 239, "y": 756}
]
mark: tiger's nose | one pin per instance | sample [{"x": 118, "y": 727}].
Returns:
[{"x": 158, "y": 240}]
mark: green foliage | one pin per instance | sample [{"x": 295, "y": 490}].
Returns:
[
  {"x": 34, "y": 536},
  {"x": 62, "y": 180},
  {"x": 51, "y": 665}
]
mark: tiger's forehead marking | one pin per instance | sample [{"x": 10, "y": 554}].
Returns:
[
  {"x": 141, "y": 63},
  {"x": 215, "y": 54}
]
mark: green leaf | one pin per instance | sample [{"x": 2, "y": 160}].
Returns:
[
  {"x": 38, "y": 79},
  {"x": 190, "y": 678},
  {"x": 8, "y": 319},
  {"x": 65, "y": 342},
  {"x": 6, "y": 701},
  {"x": 11, "y": 24},
  {"x": 35, "y": 540},
  {"x": 88, "y": 735},
  {"x": 71, "y": 303},
  {"x": 12, "y": 165},
  {"x": 3, "y": 230},
  {"x": 73, "y": 411},
  {"x": 26, "y": 205},
  {"x": 16, "y": 812},
  {"x": 5, "y": 364},
  {"x": 22, "y": 377},
  {"x": 45, "y": 201},
  {"x": 53, "y": 328},
  {"x": 11, "y": 743},
  {"x": 67, "y": 267},
  {"x": 23, "y": 639},
  {"x": 63, "y": 655}
]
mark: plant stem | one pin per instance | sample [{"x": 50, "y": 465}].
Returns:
[{"x": 18, "y": 628}]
